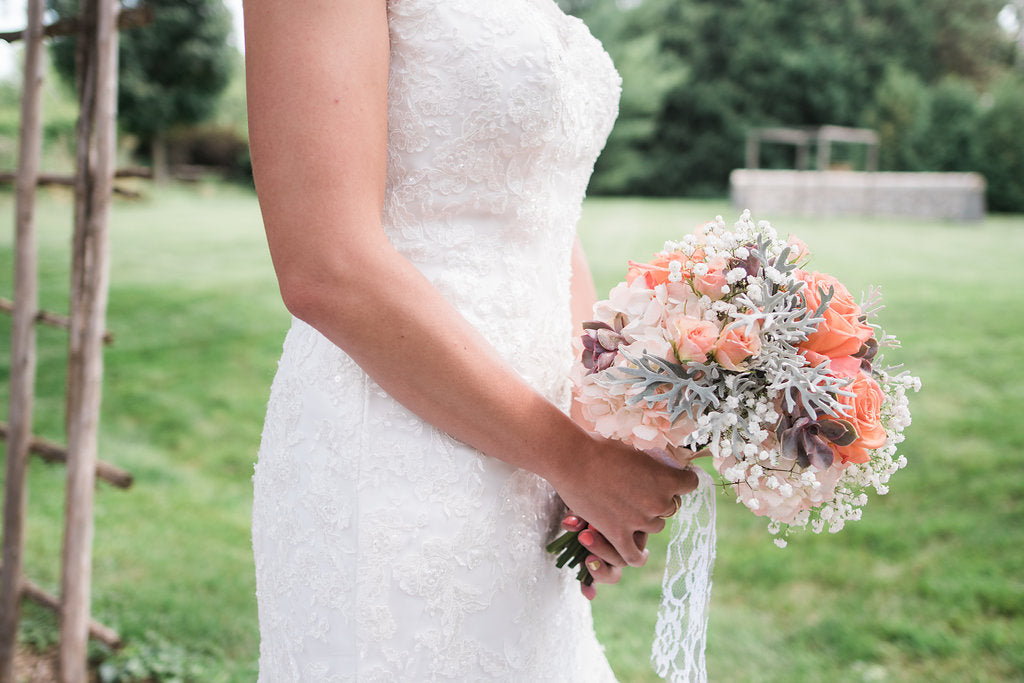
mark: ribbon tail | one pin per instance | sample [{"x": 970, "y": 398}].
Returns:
[{"x": 681, "y": 632}]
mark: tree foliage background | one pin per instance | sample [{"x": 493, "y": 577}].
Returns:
[
  {"x": 936, "y": 79},
  {"x": 171, "y": 71}
]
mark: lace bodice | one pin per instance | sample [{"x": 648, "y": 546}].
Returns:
[
  {"x": 386, "y": 550},
  {"x": 498, "y": 111}
]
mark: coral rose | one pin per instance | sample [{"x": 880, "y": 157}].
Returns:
[
  {"x": 865, "y": 416},
  {"x": 655, "y": 272},
  {"x": 694, "y": 338},
  {"x": 734, "y": 347},
  {"x": 841, "y": 333},
  {"x": 842, "y": 366}
]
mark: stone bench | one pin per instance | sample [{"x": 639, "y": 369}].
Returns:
[{"x": 768, "y": 193}]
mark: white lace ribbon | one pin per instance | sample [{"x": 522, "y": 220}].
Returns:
[{"x": 681, "y": 633}]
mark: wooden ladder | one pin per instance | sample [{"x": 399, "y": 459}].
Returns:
[{"x": 97, "y": 27}]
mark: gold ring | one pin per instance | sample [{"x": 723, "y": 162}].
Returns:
[{"x": 678, "y": 501}]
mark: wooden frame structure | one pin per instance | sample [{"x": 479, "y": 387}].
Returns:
[
  {"x": 97, "y": 28},
  {"x": 804, "y": 138}
]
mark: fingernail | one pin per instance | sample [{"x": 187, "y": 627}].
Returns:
[
  {"x": 571, "y": 520},
  {"x": 586, "y": 538},
  {"x": 593, "y": 564}
]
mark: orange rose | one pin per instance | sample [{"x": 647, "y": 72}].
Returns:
[
  {"x": 841, "y": 333},
  {"x": 865, "y": 416},
  {"x": 694, "y": 338},
  {"x": 843, "y": 366},
  {"x": 655, "y": 272},
  {"x": 734, "y": 347}
]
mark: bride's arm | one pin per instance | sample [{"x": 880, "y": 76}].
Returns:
[
  {"x": 317, "y": 75},
  {"x": 583, "y": 296}
]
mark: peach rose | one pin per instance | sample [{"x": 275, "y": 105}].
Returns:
[
  {"x": 710, "y": 284},
  {"x": 734, "y": 347},
  {"x": 841, "y": 333},
  {"x": 865, "y": 415},
  {"x": 654, "y": 272},
  {"x": 694, "y": 338}
]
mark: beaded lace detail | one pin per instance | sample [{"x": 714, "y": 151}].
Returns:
[{"x": 385, "y": 550}]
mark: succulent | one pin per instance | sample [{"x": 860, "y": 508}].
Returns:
[
  {"x": 751, "y": 264},
  {"x": 600, "y": 345},
  {"x": 807, "y": 441},
  {"x": 867, "y": 353}
]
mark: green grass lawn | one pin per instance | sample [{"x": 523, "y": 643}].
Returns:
[{"x": 929, "y": 586}]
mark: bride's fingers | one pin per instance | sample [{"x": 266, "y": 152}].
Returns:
[
  {"x": 598, "y": 545},
  {"x": 602, "y": 571},
  {"x": 573, "y": 523},
  {"x": 690, "y": 481}
]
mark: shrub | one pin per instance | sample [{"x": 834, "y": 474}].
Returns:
[
  {"x": 1001, "y": 146},
  {"x": 952, "y": 131},
  {"x": 900, "y": 115},
  {"x": 216, "y": 147}
]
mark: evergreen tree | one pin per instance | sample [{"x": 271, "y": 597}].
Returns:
[{"x": 171, "y": 71}]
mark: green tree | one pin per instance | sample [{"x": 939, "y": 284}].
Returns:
[
  {"x": 171, "y": 71},
  {"x": 953, "y": 129},
  {"x": 900, "y": 114},
  {"x": 1002, "y": 146},
  {"x": 634, "y": 40},
  {"x": 731, "y": 65}
]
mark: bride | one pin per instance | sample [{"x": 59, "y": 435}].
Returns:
[{"x": 420, "y": 166}]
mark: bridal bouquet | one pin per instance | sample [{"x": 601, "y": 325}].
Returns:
[{"x": 722, "y": 343}]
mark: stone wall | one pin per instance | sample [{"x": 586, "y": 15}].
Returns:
[{"x": 954, "y": 196}]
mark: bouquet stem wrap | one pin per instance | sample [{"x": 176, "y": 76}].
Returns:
[{"x": 681, "y": 631}]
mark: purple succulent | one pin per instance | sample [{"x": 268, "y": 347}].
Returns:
[
  {"x": 600, "y": 346},
  {"x": 807, "y": 441},
  {"x": 751, "y": 264},
  {"x": 867, "y": 353}
]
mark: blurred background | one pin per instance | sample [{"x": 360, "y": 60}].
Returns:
[{"x": 928, "y": 586}]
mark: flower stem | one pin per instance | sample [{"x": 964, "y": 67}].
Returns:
[{"x": 570, "y": 552}]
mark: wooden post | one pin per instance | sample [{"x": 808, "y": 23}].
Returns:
[
  {"x": 824, "y": 150},
  {"x": 90, "y": 279},
  {"x": 801, "y": 156},
  {"x": 23, "y": 341},
  {"x": 753, "y": 149},
  {"x": 871, "y": 159}
]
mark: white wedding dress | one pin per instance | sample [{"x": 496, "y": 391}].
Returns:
[{"x": 385, "y": 550}]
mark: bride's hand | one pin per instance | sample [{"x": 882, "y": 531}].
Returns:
[
  {"x": 624, "y": 493},
  {"x": 600, "y": 568}
]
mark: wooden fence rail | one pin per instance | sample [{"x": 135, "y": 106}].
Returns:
[
  {"x": 68, "y": 26},
  {"x": 51, "y": 319},
  {"x": 53, "y": 452}
]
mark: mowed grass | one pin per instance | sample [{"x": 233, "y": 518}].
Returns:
[
  {"x": 927, "y": 587},
  {"x": 198, "y": 325}
]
